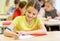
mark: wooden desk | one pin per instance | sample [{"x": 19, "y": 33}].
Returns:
[{"x": 52, "y": 36}]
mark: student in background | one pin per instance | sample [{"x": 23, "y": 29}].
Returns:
[
  {"x": 28, "y": 24},
  {"x": 4, "y": 7},
  {"x": 50, "y": 13},
  {"x": 20, "y": 10},
  {"x": 12, "y": 9}
]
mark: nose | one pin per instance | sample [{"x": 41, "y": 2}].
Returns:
[{"x": 30, "y": 15}]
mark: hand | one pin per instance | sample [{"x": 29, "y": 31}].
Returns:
[
  {"x": 57, "y": 18},
  {"x": 49, "y": 17},
  {"x": 16, "y": 36}
]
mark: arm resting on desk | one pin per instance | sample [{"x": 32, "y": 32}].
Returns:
[
  {"x": 9, "y": 32},
  {"x": 42, "y": 30}
]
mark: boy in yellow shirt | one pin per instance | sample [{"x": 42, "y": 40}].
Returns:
[{"x": 28, "y": 24}]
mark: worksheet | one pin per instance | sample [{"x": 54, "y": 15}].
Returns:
[{"x": 25, "y": 36}]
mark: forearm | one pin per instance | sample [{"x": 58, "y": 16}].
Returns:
[
  {"x": 37, "y": 32},
  {"x": 9, "y": 33}
]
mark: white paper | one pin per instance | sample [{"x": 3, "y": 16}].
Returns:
[
  {"x": 53, "y": 20},
  {"x": 25, "y": 36}
]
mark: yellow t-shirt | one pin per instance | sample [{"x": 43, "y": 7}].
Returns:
[{"x": 22, "y": 25}]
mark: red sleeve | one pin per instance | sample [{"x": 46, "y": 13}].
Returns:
[{"x": 16, "y": 13}]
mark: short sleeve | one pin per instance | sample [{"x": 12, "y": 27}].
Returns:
[{"x": 40, "y": 22}]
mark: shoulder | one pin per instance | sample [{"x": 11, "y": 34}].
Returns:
[
  {"x": 39, "y": 20},
  {"x": 17, "y": 10},
  {"x": 19, "y": 17}
]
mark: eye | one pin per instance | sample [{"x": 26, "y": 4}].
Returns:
[
  {"x": 34, "y": 14},
  {"x": 29, "y": 12}
]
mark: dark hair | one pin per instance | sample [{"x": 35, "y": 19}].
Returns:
[
  {"x": 16, "y": 1},
  {"x": 43, "y": 2},
  {"x": 40, "y": 0},
  {"x": 22, "y": 4},
  {"x": 35, "y": 4}
]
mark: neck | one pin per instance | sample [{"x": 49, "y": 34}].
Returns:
[{"x": 28, "y": 21}]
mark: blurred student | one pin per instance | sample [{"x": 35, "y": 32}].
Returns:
[
  {"x": 12, "y": 9},
  {"x": 5, "y": 7},
  {"x": 28, "y": 24},
  {"x": 50, "y": 11},
  {"x": 20, "y": 9}
]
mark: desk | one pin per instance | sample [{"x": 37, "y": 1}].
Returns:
[
  {"x": 4, "y": 17},
  {"x": 52, "y": 23},
  {"x": 52, "y": 36}
]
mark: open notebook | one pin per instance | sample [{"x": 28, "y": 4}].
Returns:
[{"x": 29, "y": 36}]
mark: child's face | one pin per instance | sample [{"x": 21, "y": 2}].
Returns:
[
  {"x": 48, "y": 7},
  {"x": 7, "y": 2},
  {"x": 31, "y": 13}
]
